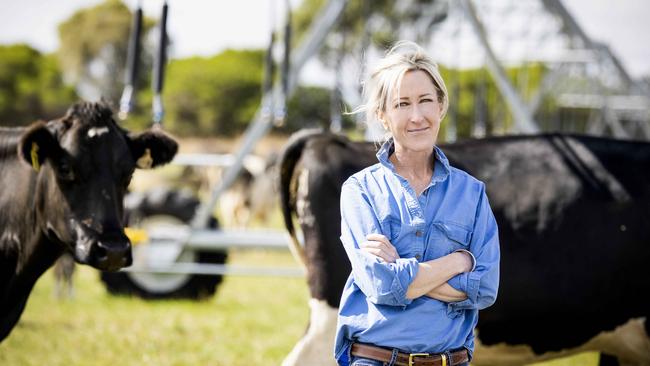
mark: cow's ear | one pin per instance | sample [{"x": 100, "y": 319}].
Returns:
[
  {"x": 37, "y": 144},
  {"x": 152, "y": 148}
]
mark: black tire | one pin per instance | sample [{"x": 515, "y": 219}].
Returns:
[{"x": 181, "y": 205}]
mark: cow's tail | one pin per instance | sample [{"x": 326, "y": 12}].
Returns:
[{"x": 288, "y": 160}]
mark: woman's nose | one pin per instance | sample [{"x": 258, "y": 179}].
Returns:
[{"x": 416, "y": 114}]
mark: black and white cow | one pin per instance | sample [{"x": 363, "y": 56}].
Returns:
[
  {"x": 61, "y": 189},
  {"x": 574, "y": 224}
]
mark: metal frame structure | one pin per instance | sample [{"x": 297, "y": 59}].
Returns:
[
  {"x": 632, "y": 100},
  {"x": 170, "y": 242},
  {"x": 197, "y": 236},
  {"x": 524, "y": 121}
]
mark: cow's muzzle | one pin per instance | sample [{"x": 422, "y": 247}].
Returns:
[
  {"x": 111, "y": 254},
  {"x": 106, "y": 250}
]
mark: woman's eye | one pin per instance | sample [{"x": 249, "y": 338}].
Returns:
[
  {"x": 426, "y": 100},
  {"x": 401, "y": 105}
]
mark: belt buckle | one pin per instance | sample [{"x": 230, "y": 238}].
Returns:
[{"x": 411, "y": 355}]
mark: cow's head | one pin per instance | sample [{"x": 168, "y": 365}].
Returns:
[{"x": 84, "y": 163}]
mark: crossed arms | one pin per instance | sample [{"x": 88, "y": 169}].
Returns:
[{"x": 432, "y": 276}]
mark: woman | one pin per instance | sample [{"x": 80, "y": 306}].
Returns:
[{"x": 420, "y": 234}]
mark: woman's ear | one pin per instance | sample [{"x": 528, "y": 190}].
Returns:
[{"x": 381, "y": 116}]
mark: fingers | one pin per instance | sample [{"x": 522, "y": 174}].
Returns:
[
  {"x": 381, "y": 247},
  {"x": 379, "y": 237},
  {"x": 377, "y": 249},
  {"x": 385, "y": 245}
]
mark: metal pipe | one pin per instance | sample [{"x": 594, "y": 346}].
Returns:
[
  {"x": 269, "y": 66},
  {"x": 216, "y": 269},
  {"x": 159, "y": 69},
  {"x": 524, "y": 121},
  {"x": 286, "y": 62},
  {"x": 209, "y": 239},
  {"x": 132, "y": 63}
]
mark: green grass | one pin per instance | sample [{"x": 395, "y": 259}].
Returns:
[{"x": 251, "y": 321}]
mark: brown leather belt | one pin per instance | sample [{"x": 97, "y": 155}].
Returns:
[{"x": 409, "y": 359}]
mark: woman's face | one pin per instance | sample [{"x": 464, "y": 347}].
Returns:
[{"x": 413, "y": 116}]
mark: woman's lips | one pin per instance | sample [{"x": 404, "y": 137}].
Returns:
[{"x": 418, "y": 129}]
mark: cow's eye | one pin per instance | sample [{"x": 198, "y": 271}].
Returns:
[{"x": 65, "y": 171}]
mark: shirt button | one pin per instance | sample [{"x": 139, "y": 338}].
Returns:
[
  {"x": 418, "y": 233},
  {"x": 417, "y": 256}
]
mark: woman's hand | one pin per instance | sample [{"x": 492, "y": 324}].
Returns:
[{"x": 380, "y": 246}]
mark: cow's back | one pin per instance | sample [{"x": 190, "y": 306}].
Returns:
[{"x": 573, "y": 223}]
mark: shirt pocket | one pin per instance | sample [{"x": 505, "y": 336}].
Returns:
[
  {"x": 455, "y": 236},
  {"x": 390, "y": 228}
]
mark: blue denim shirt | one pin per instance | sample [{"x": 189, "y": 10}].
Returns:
[{"x": 452, "y": 213}]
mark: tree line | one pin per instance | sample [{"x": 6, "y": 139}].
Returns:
[{"x": 217, "y": 95}]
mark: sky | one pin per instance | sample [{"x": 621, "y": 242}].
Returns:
[{"x": 205, "y": 27}]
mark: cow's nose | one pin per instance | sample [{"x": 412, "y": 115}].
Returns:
[{"x": 113, "y": 255}]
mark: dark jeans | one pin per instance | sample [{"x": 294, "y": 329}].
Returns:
[{"x": 360, "y": 361}]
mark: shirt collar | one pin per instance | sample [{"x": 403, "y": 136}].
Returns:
[{"x": 441, "y": 163}]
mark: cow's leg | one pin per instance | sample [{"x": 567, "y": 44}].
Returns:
[
  {"x": 628, "y": 343},
  {"x": 69, "y": 277},
  {"x": 59, "y": 279},
  {"x": 317, "y": 345},
  {"x": 63, "y": 277}
]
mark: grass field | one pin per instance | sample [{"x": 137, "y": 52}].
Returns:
[{"x": 251, "y": 321}]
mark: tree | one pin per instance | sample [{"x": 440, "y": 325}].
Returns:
[
  {"x": 216, "y": 95},
  {"x": 31, "y": 86},
  {"x": 366, "y": 23},
  {"x": 310, "y": 108},
  {"x": 93, "y": 49}
]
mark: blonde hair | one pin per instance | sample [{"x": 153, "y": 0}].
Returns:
[{"x": 386, "y": 78}]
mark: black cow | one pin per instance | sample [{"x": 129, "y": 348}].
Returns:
[
  {"x": 574, "y": 224},
  {"x": 61, "y": 189}
]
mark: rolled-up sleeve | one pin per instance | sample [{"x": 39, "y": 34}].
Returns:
[
  {"x": 382, "y": 283},
  {"x": 480, "y": 285}
]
